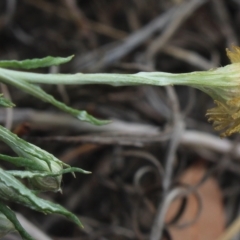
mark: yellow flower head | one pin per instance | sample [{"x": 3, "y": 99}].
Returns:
[{"x": 226, "y": 115}]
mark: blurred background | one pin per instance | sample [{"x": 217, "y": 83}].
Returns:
[{"x": 159, "y": 171}]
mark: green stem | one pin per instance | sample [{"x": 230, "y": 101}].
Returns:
[
  {"x": 13, "y": 78},
  {"x": 218, "y": 77},
  {"x": 12, "y": 218}
]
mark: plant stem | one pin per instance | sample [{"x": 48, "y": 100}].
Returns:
[{"x": 218, "y": 77}]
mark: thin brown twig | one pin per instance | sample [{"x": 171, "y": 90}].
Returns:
[
  {"x": 149, "y": 157},
  {"x": 7, "y": 17},
  {"x": 185, "y": 11},
  {"x": 225, "y": 22},
  {"x": 178, "y": 128},
  {"x": 64, "y": 14},
  {"x": 96, "y": 60},
  {"x": 188, "y": 56}
]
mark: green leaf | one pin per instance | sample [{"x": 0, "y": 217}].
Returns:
[
  {"x": 33, "y": 174},
  {"x": 29, "y": 174},
  {"x": 5, "y": 102},
  {"x": 12, "y": 217},
  {"x": 22, "y": 162},
  {"x": 39, "y": 93},
  {"x": 13, "y": 190},
  {"x": 6, "y": 225},
  {"x": 34, "y": 159},
  {"x": 29, "y": 151},
  {"x": 35, "y": 63}
]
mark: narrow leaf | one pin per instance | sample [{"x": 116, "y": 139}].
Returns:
[
  {"x": 5, "y": 102},
  {"x": 12, "y": 217},
  {"x": 6, "y": 225},
  {"x": 39, "y": 93},
  {"x": 13, "y": 190},
  {"x": 28, "y": 150},
  {"x": 35, "y": 63},
  {"x": 22, "y": 162},
  {"x": 29, "y": 174},
  {"x": 33, "y": 174}
]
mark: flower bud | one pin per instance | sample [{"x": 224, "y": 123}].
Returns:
[
  {"x": 39, "y": 160},
  {"x": 48, "y": 183}
]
